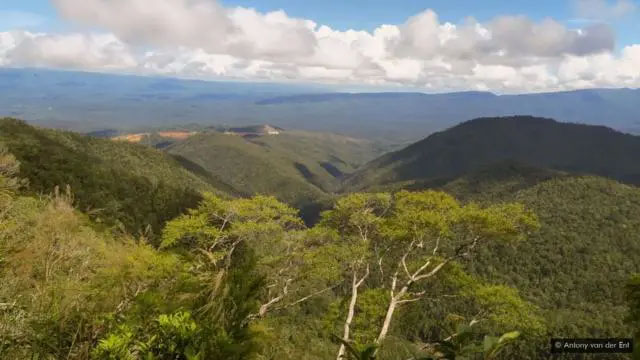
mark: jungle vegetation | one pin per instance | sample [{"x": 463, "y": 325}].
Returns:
[{"x": 489, "y": 265}]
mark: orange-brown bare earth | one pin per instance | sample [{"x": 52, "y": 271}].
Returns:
[
  {"x": 178, "y": 135},
  {"x": 135, "y": 138}
]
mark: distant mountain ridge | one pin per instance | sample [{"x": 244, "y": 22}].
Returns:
[
  {"x": 435, "y": 112},
  {"x": 537, "y": 142},
  {"x": 89, "y": 102},
  {"x": 323, "y": 97}
]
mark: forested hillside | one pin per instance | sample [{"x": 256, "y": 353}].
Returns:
[
  {"x": 542, "y": 143},
  {"x": 489, "y": 264},
  {"x": 115, "y": 183},
  {"x": 244, "y": 279},
  {"x": 576, "y": 266},
  {"x": 300, "y": 168}
]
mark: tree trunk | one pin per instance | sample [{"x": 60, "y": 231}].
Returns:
[
  {"x": 387, "y": 321},
  {"x": 351, "y": 312},
  {"x": 393, "y": 304},
  {"x": 355, "y": 284}
]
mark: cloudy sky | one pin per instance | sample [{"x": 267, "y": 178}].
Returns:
[{"x": 429, "y": 45}]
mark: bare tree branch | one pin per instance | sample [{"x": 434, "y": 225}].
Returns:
[{"x": 305, "y": 298}]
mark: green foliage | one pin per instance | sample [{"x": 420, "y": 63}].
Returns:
[
  {"x": 542, "y": 143},
  {"x": 462, "y": 345},
  {"x": 429, "y": 215},
  {"x": 68, "y": 289},
  {"x": 61, "y": 277},
  {"x": 507, "y": 309},
  {"x": 633, "y": 318},
  {"x": 300, "y": 158},
  {"x": 367, "y": 353},
  {"x": 222, "y": 238},
  {"x": 588, "y": 226},
  {"x": 633, "y": 299},
  {"x": 411, "y": 237},
  {"x": 218, "y": 227},
  {"x": 119, "y": 345},
  {"x": 370, "y": 310},
  {"x": 9, "y": 168},
  {"x": 116, "y": 183},
  {"x": 357, "y": 213},
  {"x": 244, "y": 278},
  {"x": 170, "y": 336},
  {"x": 297, "y": 167},
  {"x": 217, "y": 221}
]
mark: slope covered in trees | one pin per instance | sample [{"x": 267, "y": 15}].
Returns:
[
  {"x": 300, "y": 168},
  {"x": 542, "y": 143},
  {"x": 633, "y": 301},
  {"x": 232, "y": 276},
  {"x": 116, "y": 183},
  {"x": 575, "y": 267},
  {"x": 494, "y": 262}
]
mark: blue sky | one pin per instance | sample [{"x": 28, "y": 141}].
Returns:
[{"x": 510, "y": 46}]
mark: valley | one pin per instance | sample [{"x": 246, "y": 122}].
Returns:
[
  {"x": 90, "y": 102},
  {"x": 588, "y": 234},
  {"x": 319, "y": 180}
]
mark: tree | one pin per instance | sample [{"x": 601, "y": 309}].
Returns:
[
  {"x": 462, "y": 344},
  {"x": 357, "y": 219},
  {"x": 218, "y": 227},
  {"x": 633, "y": 299},
  {"x": 429, "y": 230},
  {"x": 9, "y": 183},
  {"x": 218, "y": 234},
  {"x": 411, "y": 237},
  {"x": 172, "y": 336}
]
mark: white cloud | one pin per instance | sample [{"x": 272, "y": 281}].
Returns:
[
  {"x": 161, "y": 23},
  {"x": 202, "y": 39},
  {"x": 83, "y": 51},
  {"x": 201, "y": 24}
]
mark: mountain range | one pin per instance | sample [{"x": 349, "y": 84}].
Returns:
[
  {"x": 577, "y": 179},
  {"x": 99, "y": 102}
]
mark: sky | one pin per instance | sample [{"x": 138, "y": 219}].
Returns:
[{"x": 430, "y": 45}]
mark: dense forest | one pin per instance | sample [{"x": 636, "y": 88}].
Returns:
[
  {"x": 538, "y": 142},
  {"x": 115, "y": 183},
  {"x": 110, "y": 250}
]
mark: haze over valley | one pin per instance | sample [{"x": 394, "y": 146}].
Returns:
[{"x": 87, "y": 102}]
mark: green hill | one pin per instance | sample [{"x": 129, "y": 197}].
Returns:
[
  {"x": 298, "y": 167},
  {"x": 576, "y": 266},
  {"x": 77, "y": 291},
  {"x": 115, "y": 182},
  {"x": 538, "y": 142}
]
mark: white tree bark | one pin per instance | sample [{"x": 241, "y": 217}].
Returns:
[
  {"x": 355, "y": 284},
  {"x": 420, "y": 274}
]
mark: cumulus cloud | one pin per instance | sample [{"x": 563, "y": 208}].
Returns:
[
  {"x": 196, "y": 23},
  {"x": 75, "y": 51},
  {"x": 504, "y": 39},
  {"x": 202, "y": 39}
]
